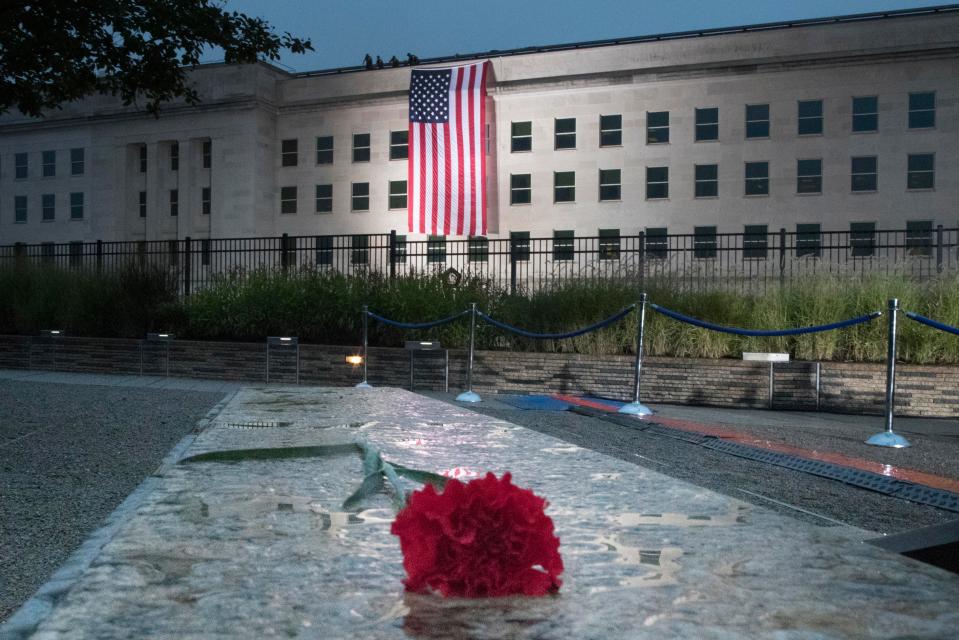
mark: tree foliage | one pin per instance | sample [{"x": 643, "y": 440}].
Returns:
[{"x": 56, "y": 51}]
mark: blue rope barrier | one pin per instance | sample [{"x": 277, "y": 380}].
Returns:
[
  {"x": 932, "y": 323},
  {"x": 417, "y": 325},
  {"x": 557, "y": 336},
  {"x": 765, "y": 332}
]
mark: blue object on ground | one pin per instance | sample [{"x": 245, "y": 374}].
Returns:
[{"x": 534, "y": 403}]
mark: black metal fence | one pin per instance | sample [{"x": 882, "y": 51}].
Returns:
[{"x": 742, "y": 261}]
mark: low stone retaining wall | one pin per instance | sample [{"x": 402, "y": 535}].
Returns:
[{"x": 843, "y": 387}]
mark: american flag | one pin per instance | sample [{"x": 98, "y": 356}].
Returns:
[{"x": 447, "y": 168}]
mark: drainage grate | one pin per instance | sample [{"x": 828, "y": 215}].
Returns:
[
  {"x": 269, "y": 424},
  {"x": 863, "y": 479}
]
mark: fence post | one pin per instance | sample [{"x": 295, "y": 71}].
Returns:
[
  {"x": 887, "y": 438},
  {"x": 187, "y": 265},
  {"x": 782, "y": 255},
  {"x": 635, "y": 407},
  {"x": 469, "y": 395},
  {"x": 939, "y": 248},
  {"x": 642, "y": 260},
  {"x": 392, "y": 260},
  {"x": 99, "y": 256},
  {"x": 512, "y": 267}
]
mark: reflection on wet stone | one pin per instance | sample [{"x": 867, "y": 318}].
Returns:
[{"x": 263, "y": 548}]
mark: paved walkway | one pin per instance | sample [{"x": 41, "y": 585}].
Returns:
[{"x": 262, "y": 548}]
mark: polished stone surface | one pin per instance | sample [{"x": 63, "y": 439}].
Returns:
[{"x": 262, "y": 548}]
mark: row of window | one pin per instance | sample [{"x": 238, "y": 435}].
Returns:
[
  {"x": 206, "y": 202},
  {"x": 48, "y": 207},
  {"x": 864, "y": 177},
  {"x": 359, "y": 197},
  {"x": 174, "y": 148},
  {"x": 48, "y": 164},
  {"x": 290, "y": 149},
  {"x": 809, "y": 117}
]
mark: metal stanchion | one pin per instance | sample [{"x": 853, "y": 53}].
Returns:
[
  {"x": 366, "y": 319},
  {"x": 635, "y": 407},
  {"x": 469, "y": 395},
  {"x": 887, "y": 438}
]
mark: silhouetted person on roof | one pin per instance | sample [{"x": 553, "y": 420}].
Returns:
[
  {"x": 379, "y": 62},
  {"x": 411, "y": 59},
  {"x": 394, "y": 61},
  {"x": 368, "y": 61}
]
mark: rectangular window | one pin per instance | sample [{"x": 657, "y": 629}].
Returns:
[
  {"x": 48, "y": 164},
  {"x": 324, "y": 150},
  {"x": 174, "y": 202},
  {"x": 610, "y": 184},
  {"x": 143, "y": 158},
  {"x": 757, "y": 178},
  {"x": 865, "y": 113},
  {"x": 611, "y": 131},
  {"x": 77, "y": 161},
  {"x": 142, "y": 204},
  {"x": 609, "y": 244},
  {"x": 324, "y": 198},
  {"x": 657, "y": 243},
  {"x": 76, "y": 206},
  {"x": 324, "y": 250},
  {"x": 399, "y": 145},
  {"x": 205, "y": 253},
  {"x": 657, "y": 127},
  {"x": 707, "y": 124},
  {"x": 519, "y": 245},
  {"x": 361, "y": 147},
  {"x": 862, "y": 238},
  {"x": 809, "y": 176},
  {"x": 921, "y": 171},
  {"x": 657, "y": 183},
  {"x": 21, "y": 165},
  {"x": 436, "y": 248},
  {"x": 704, "y": 242},
  {"x": 755, "y": 241},
  {"x": 287, "y": 199},
  {"x": 810, "y": 117},
  {"x": 922, "y": 110},
  {"x": 207, "y": 154},
  {"x": 175, "y": 156},
  {"x": 206, "y": 201},
  {"x": 397, "y": 194},
  {"x": 864, "y": 174},
  {"x": 399, "y": 251},
  {"x": 564, "y": 186},
  {"x": 919, "y": 237},
  {"x": 48, "y": 207},
  {"x": 521, "y": 136},
  {"x": 808, "y": 240},
  {"x": 289, "y": 150},
  {"x": 520, "y": 188},
  {"x": 360, "y": 245},
  {"x": 360, "y": 196},
  {"x": 20, "y": 208},
  {"x": 565, "y": 133},
  {"x": 76, "y": 253},
  {"x": 707, "y": 180},
  {"x": 563, "y": 242},
  {"x": 478, "y": 249},
  {"x": 757, "y": 120}
]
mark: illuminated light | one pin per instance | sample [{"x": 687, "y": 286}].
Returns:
[
  {"x": 163, "y": 335},
  {"x": 354, "y": 360},
  {"x": 285, "y": 339}
]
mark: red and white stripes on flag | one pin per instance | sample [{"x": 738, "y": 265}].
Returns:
[{"x": 447, "y": 168}]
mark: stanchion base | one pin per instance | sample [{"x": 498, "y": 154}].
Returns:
[
  {"x": 636, "y": 409},
  {"x": 888, "y": 439},
  {"x": 468, "y": 396},
  {"x": 364, "y": 385}
]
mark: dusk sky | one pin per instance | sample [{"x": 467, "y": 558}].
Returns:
[{"x": 343, "y": 31}]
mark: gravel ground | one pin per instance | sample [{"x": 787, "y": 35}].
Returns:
[
  {"x": 799, "y": 495},
  {"x": 69, "y": 454}
]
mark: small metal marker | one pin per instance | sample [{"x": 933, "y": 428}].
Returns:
[
  {"x": 888, "y": 438},
  {"x": 469, "y": 395},
  {"x": 364, "y": 384},
  {"x": 636, "y": 408},
  {"x": 283, "y": 341},
  {"x": 159, "y": 337}
]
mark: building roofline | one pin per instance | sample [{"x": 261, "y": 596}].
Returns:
[{"x": 659, "y": 37}]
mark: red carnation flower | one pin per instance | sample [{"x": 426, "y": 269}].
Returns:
[{"x": 485, "y": 538}]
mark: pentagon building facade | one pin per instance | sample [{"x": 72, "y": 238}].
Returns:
[{"x": 836, "y": 123}]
